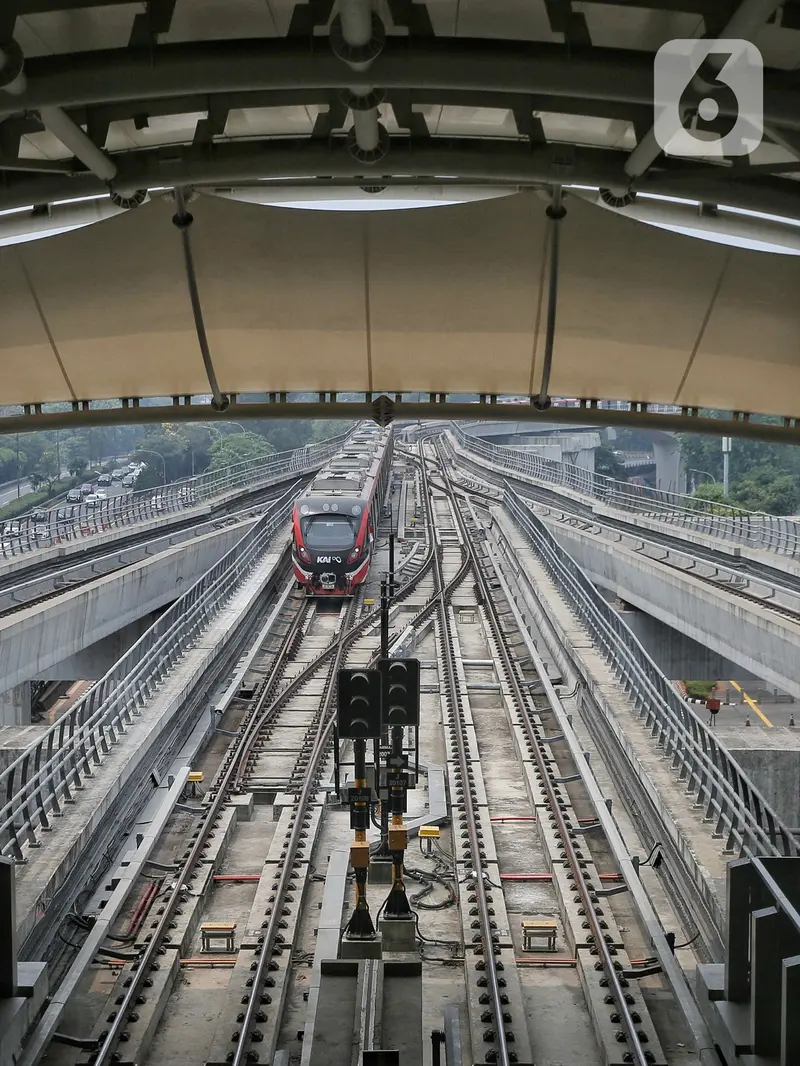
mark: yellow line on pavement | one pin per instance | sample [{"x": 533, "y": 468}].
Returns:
[{"x": 753, "y": 704}]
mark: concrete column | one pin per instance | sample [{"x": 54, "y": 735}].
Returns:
[
  {"x": 15, "y": 705},
  {"x": 670, "y": 476}
]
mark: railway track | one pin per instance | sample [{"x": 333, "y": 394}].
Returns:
[
  {"x": 506, "y": 1031},
  {"x": 502, "y": 756},
  {"x": 571, "y": 513},
  {"x": 16, "y": 596},
  {"x": 238, "y": 767}
]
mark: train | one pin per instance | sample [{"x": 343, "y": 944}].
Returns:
[{"x": 334, "y": 520}]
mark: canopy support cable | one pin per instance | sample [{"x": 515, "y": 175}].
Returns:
[
  {"x": 182, "y": 220},
  {"x": 555, "y": 212}
]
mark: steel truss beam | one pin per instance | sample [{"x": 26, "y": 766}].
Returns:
[
  {"x": 417, "y": 161},
  {"x": 90, "y": 78},
  {"x": 704, "y": 8},
  {"x": 386, "y": 408}
]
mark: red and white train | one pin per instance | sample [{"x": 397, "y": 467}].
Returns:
[{"x": 333, "y": 522}]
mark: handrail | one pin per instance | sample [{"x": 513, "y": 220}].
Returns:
[
  {"x": 40, "y": 779},
  {"x": 709, "y": 772},
  {"x": 148, "y": 504},
  {"x": 753, "y": 528}
]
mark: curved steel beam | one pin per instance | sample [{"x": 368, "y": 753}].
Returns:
[
  {"x": 788, "y": 432},
  {"x": 419, "y": 162},
  {"x": 96, "y": 78}
]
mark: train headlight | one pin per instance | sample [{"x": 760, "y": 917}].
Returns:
[
  {"x": 354, "y": 554},
  {"x": 303, "y": 553}
]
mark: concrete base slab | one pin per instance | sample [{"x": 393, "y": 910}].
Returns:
[
  {"x": 243, "y": 806},
  {"x": 398, "y": 934},
  {"x": 380, "y": 872},
  {"x": 361, "y": 949},
  {"x": 605, "y": 1016}
]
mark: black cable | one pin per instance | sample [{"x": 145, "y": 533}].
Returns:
[
  {"x": 427, "y": 940},
  {"x": 656, "y": 847},
  {"x": 688, "y": 942},
  {"x": 125, "y": 956}
]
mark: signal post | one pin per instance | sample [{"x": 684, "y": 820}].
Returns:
[
  {"x": 399, "y": 710},
  {"x": 359, "y": 720}
]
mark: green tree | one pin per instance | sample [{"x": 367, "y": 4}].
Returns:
[
  {"x": 47, "y": 468},
  {"x": 762, "y": 476},
  {"x": 166, "y": 455},
  {"x": 77, "y": 456},
  {"x": 8, "y": 464},
  {"x": 607, "y": 463},
  {"x": 238, "y": 448},
  {"x": 766, "y": 489},
  {"x": 198, "y": 438}
]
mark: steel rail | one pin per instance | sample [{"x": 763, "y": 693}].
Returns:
[
  {"x": 54, "y": 763},
  {"x": 288, "y": 873},
  {"x": 615, "y": 986},
  {"x": 236, "y": 758},
  {"x": 770, "y": 532},
  {"x": 761, "y": 573},
  {"x": 443, "y": 594},
  {"x": 712, "y": 774},
  {"x": 220, "y": 797}
]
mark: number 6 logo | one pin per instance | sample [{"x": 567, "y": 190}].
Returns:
[{"x": 680, "y": 90}]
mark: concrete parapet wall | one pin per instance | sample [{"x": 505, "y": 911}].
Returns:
[
  {"x": 680, "y": 533},
  {"x": 762, "y": 641},
  {"x": 35, "y": 639},
  {"x": 775, "y": 771},
  {"x": 48, "y": 866},
  {"x": 577, "y": 658}
]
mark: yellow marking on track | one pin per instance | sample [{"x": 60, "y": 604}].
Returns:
[{"x": 752, "y": 703}]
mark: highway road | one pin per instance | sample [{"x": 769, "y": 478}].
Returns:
[{"x": 9, "y": 492}]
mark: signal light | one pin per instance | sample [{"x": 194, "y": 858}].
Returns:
[
  {"x": 359, "y": 704},
  {"x": 399, "y": 691}
]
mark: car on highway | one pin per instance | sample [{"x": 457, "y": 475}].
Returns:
[
  {"x": 94, "y": 498},
  {"x": 65, "y": 514},
  {"x": 41, "y": 517},
  {"x": 86, "y": 488},
  {"x": 117, "y": 475},
  {"x": 129, "y": 480},
  {"x": 74, "y": 496},
  {"x": 41, "y": 531},
  {"x": 104, "y": 479},
  {"x": 133, "y": 467},
  {"x": 12, "y": 529},
  {"x": 157, "y": 503}
]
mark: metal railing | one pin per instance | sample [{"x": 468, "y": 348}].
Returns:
[
  {"x": 18, "y": 536},
  {"x": 34, "y": 786},
  {"x": 736, "y": 809},
  {"x": 753, "y": 528}
]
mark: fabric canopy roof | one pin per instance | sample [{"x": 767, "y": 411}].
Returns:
[{"x": 446, "y": 299}]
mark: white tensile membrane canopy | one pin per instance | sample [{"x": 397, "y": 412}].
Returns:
[{"x": 447, "y": 299}]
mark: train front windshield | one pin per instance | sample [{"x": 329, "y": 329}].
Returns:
[{"x": 328, "y": 532}]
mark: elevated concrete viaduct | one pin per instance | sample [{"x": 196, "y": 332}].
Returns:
[
  {"x": 34, "y": 641},
  {"x": 761, "y": 639}
]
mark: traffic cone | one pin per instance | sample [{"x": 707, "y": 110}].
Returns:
[
  {"x": 791, "y": 720},
  {"x": 747, "y": 720}
]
